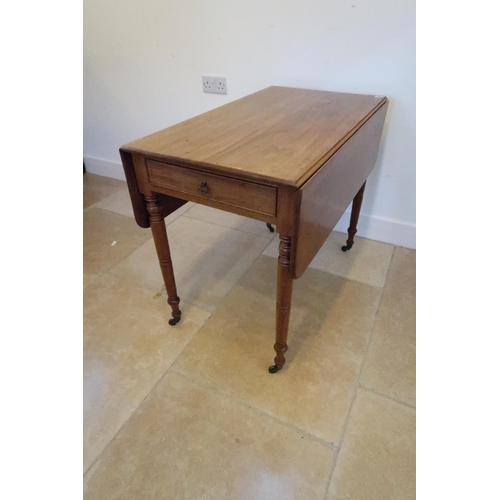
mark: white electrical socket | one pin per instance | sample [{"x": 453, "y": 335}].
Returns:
[{"x": 214, "y": 84}]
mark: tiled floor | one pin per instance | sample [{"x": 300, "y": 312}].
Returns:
[{"x": 190, "y": 412}]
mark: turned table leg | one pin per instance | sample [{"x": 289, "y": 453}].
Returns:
[
  {"x": 353, "y": 224},
  {"x": 163, "y": 250},
  {"x": 283, "y": 303}
]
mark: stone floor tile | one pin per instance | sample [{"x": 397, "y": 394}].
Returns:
[
  {"x": 330, "y": 324},
  {"x": 377, "y": 458},
  {"x": 390, "y": 366},
  {"x": 186, "y": 442}
]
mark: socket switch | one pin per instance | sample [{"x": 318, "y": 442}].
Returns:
[{"x": 214, "y": 84}]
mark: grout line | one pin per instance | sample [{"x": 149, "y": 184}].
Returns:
[
  {"x": 341, "y": 440},
  {"x": 163, "y": 292},
  {"x": 185, "y": 214},
  {"x": 203, "y": 385},
  {"x": 244, "y": 273},
  {"x": 335, "y": 448},
  {"x": 177, "y": 357},
  {"x": 119, "y": 213},
  {"x": 223, "y": 298},
  {"x": 148, "y": 394},
  {"x": 123, "y": 425},
  {"x": 95, "y": 205},
  {"x": 184, "y": 211},
  {"x": 370, "y": 338},
  {"x": 190, "y": 339},
  {"x": 389, "y": 266},
  {"x": 339, "y": 276},
  {"x": 385, "y": 396},
  {"x": 378, "y": 287}
]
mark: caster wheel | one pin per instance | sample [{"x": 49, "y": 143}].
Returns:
[
  {"x": 271, "y": 228},
  {"x": 174, "y": 321},
  {"x": 274, "y": 369}
]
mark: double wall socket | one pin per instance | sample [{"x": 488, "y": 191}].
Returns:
[{"x": 214, "y": 84}]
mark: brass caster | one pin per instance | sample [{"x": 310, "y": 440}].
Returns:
[
  {"x": 274, "y": 369},
  {"x": 174, "y": 321}
]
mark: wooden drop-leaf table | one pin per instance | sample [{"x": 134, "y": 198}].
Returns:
[{"x": 290, "y": 157}]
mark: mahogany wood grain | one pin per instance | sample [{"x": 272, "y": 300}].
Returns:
[
  {"x": 286, "y": 225},
  {"x": 278, "y": 135},
  {"x": 171, "y": 193},
  {"x": 353, "y": 222},
  {"x": 329, "y": 192},
  {"x": 247, "y": 195},
  {"x": 168, "y": 203},
  {"x": 163, "y": 250},
  {"x": 136, "y": 197},
  {"x": 283, "y": 303}
]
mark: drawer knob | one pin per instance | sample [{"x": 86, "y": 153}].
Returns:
[{"x": 203, "y": 187}]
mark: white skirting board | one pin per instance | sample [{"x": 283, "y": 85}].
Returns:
[
  {"x": 105, "y": 168},
  {"x": 369, "y": 226},
  {"x": 376, "y": 228}
]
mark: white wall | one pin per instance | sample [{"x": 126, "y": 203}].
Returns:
[{"x": 143, "y": 61}]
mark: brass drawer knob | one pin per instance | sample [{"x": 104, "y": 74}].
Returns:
[{"x": 203, "y": 187}]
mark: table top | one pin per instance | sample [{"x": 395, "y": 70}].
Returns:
[{"x": 277, "y": 135}]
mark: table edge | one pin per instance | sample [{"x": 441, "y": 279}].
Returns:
[{"x": 251, "y": 176}]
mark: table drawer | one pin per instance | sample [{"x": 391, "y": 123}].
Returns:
[{"x": 243, "y": 194}]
